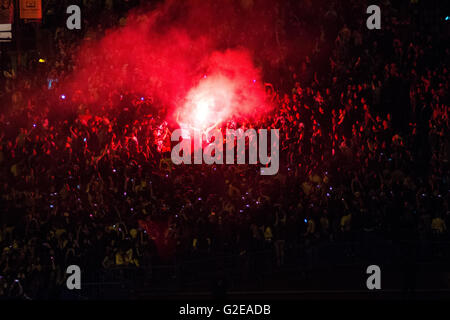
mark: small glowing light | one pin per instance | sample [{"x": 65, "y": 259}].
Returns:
[
  {"x": 142, "y": 98},
  {"x": 204, "y": 76},
  {"x": 305, "y": 221},
  {"x": 447, "y": 18},
  {"x": 41, "y": 60},
  {"x": 254, "y": 81},
  {"x": 63, "y": 97}
]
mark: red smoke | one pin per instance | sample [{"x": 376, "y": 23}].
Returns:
[
  {"x": 166, "y": 53},
  {"x": 231, "y": 87}
]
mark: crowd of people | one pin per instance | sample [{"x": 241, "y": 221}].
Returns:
[{"x": 363, "y": 151}]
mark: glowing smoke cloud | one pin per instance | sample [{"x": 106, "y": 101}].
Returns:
[
  {"x": 165, "y": 53},
  {"x": 232, "y": 89}
]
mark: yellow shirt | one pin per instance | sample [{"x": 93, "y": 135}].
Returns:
[
  {"x": 268, "y": 234},
  {"x": 345, "y": 222},
  {"x": 119, "y": 259},
  {"x": 59, "y": 232},
  {"x": 306, "y": 187},
  {"x": 438, "y": 225},
  {"x": 15, "y": 170},
  {"x": 311, "y": 228}
]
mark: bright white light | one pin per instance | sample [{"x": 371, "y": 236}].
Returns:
[{"x": 202, "y": 111}]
